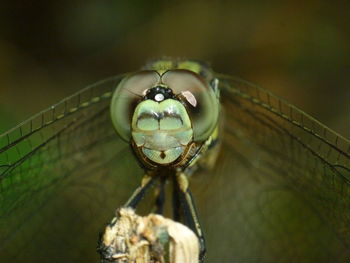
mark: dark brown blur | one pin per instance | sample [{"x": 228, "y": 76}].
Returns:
[{"x": 298, "y": 50}]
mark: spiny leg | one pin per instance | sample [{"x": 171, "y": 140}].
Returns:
[
  {"x": 189, "y": 211},
  {"x": 140, "y": 191}
]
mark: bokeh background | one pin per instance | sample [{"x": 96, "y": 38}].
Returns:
[{"x": 298, "y": 50}]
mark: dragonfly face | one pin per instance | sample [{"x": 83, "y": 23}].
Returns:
[
  {"x": 166, "y": 114},
  {"x": 279, "y": 190}
]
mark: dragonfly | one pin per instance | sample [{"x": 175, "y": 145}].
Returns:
[{"x": 258, "y": 178}]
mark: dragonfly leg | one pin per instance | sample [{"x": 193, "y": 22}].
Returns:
[
  {"x": 189, "y": 211},
  {"x": 160, "y": 199},
  {"x": 138, "y": 194},
  {"x": 176, "y": 201}
]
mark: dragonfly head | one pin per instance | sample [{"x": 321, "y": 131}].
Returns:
[{"x": 163, "y": 113}]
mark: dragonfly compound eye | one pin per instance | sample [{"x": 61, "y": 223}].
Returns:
[
  {"x": 199, "y": 98},
  {"x": 127, "y": 95}
]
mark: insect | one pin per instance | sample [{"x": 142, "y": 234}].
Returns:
[
  {"x": 174, "y": 124},
  {"x": 270, "y": 183}
]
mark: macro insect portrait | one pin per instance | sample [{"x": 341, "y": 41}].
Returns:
[{"x": 255, "y": 178}]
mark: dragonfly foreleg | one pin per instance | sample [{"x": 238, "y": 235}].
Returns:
[
  {"x": 138, "y": 194},
  {"x": 160, "y": 199},
  {"x": 189, "y": 211},
  {"x": 176, "y": 202}
]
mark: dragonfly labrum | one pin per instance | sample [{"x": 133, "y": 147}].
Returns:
[{"x": 258, "y": 178}]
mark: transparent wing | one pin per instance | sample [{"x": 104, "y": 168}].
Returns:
[
  {"x": 280, "y": 189},
  {"x": 62, "y": 175}
]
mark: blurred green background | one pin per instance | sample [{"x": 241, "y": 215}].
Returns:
[{"x": 298, "y": 50}]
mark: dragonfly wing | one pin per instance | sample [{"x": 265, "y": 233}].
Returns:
[
  {"x": 280, "y": 189},
  {"x": 62, "y": 175}
]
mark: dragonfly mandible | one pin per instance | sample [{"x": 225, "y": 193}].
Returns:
[{"x": 270, "y": 182}]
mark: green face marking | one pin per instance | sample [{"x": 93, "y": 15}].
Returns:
[{"x": 162, "y": 129}]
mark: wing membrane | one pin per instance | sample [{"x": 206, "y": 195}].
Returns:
[
  {"x": 283, "y": 181},
  {"x": 61, "y": 179}
]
